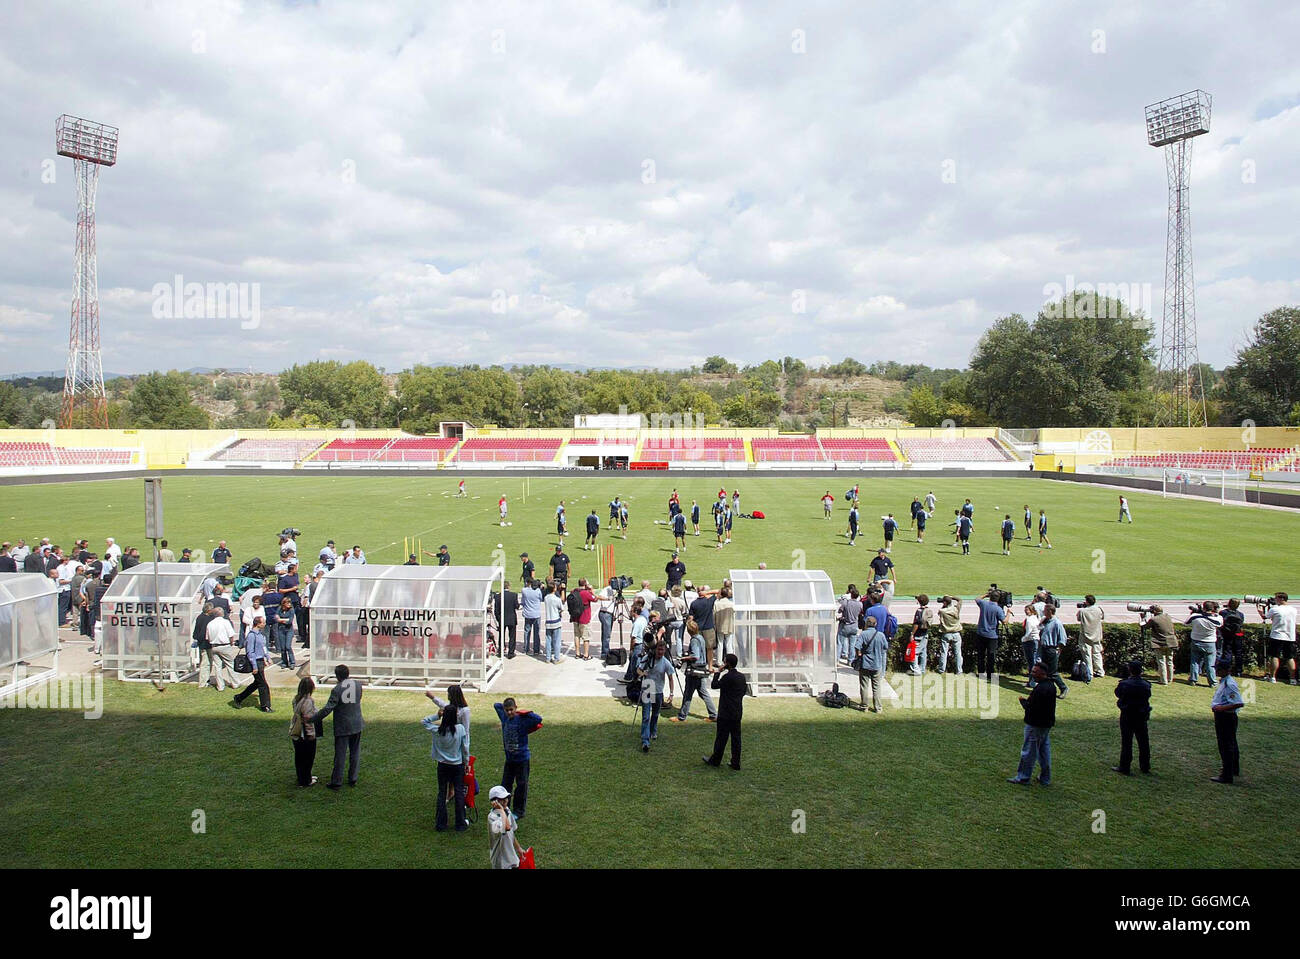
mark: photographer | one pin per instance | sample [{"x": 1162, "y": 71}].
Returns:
[
  {"x": 698, "y": 675},
  {"x": 1090, "y": 635},
  {"x": 1163, "y": 641},
  {"x": 1232, "y": 634},
  {"x": 992, "y": 613},
  {"x": 950, "y": 624},
  {"x": 640, "y": 628},
  {"x": 1205, "y": 623},
  {"x": 923, "y": 622},
  {"x": 702, "y": 612},
  {"x": 1281, "y": 636},
  {"x": 849, "y": 613},
  {"x": 655, "y": 670},
  {"x": 1051, "y": 640}
]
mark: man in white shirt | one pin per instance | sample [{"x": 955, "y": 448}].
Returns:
[
  {"x": 645, "y": 593},
  {"x": 113, "y": 551},
  {"x": 1281, "y": 636},
  {"x": 67, "y": 570},
  {"x": 20, "y": 553},
  {"x": 355, "y": 558},
  {"x": 219, "y": 658}
]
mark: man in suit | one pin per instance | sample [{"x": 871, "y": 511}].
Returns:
[
  {"x": 505, "y": 607},
  {"x": 345, "y": 703},
  {"x": 731, "y": 685}
]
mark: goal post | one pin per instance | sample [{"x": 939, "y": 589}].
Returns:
[{"x": 1230, "y": 487}]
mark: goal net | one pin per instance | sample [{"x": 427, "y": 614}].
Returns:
[{"x": 1211, "y": 484}]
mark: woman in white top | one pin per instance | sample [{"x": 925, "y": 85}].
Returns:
[
  {"x": 1029, "y": 643},
  {"x": 455, "y": 697}
]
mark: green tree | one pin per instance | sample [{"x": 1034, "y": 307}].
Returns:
[
  {"x": 332, "y": 392},
  {"x": 162, "y": 401},
  {"x": 718, "y": 364},
  {"x": 1263, "y": 384}
]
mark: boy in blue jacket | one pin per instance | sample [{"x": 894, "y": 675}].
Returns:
[{"x": 516, "y": 726}]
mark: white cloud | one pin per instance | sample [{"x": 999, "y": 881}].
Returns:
[{"x": 382, "y": 171}]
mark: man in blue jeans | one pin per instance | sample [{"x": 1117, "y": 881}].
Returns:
[
  {"x": 516, "y": 726},
  {"x": 1040, "y": 717},
  {"x": 530, "y": 600},
  {"x": 655, "y": 671},
  {"x": 850, "y": 612},
  {"x": 991, "y": 615}
]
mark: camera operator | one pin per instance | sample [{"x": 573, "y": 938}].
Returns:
[
  {"x": 640, "y": 626},
  {"x": 1232, "y": 634},
  {"x": 1163, "y": 641},
  {"x": 992, "y": 613},
  {"x": 655, "y": 670},
  {"x": 950, "y": 625},
  {"x": 1090, "y": 634},
  {"x": 1205, "y": 623},
  {"x": 698, "y": 675},
  {"x": 1281, "y": 636}
]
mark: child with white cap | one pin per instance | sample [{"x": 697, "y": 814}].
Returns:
[{"x": 505, "y": 850}]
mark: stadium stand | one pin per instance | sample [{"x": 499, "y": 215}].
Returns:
[
  {"x": 1261, "y": 459},
  {"x": 417, "y": 449},
  {"x": 788, "y": 449},
  {"x": 859, "y": 450},
  {"x": 27, "y": 454},
  {"x": 955, "y": 450},
  {"x": 694, "y": 449},
  {"x": 501, "y": 449},
  {"x": 351, "y": 450},
  {"x": 289, "y": 450}
]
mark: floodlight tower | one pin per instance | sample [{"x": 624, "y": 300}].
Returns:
[
  {"x": 1172, "y": 124},
  {"x": 91, "y": 146}
]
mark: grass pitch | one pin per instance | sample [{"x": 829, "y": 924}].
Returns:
[
  {"x": 912, "y": 787},
  {"x": 1175, "y": 546}
]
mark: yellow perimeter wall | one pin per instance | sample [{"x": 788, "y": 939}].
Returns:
[{"x": 163, "y": 449}]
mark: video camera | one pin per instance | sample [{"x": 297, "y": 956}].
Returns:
[
  {"x": 619, "y": 583},
  {"x": 1253, "y": 600},
  {"x": 1049, "y": 596},
  {"x": 1001, "y": 597},
  {"x": 292, "y": 532}
]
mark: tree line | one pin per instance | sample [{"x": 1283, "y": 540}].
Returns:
[{"x": 1084, "y": 361}]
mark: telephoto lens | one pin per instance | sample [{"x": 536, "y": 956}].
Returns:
[{"x": 1258, "y": 600}]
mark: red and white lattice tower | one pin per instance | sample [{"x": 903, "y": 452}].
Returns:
[{"x": 91, "y": 146}]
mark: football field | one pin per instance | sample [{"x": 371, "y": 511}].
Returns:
[
  {"x": 179, "y": 779},
  {"x": 1175, "y": 547}
]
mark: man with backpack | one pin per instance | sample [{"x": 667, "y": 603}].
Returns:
[
  {"x": 580, "y": 602},
  {"x": 886, "y": 622}
]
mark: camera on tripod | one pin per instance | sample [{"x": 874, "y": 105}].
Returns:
[{"x": 1001, "y": 597}]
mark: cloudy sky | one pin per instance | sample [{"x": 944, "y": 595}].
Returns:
[{"x": 637, "y": 183}]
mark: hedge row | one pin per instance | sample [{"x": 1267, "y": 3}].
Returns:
[{"x": 1121, "y": 643}]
